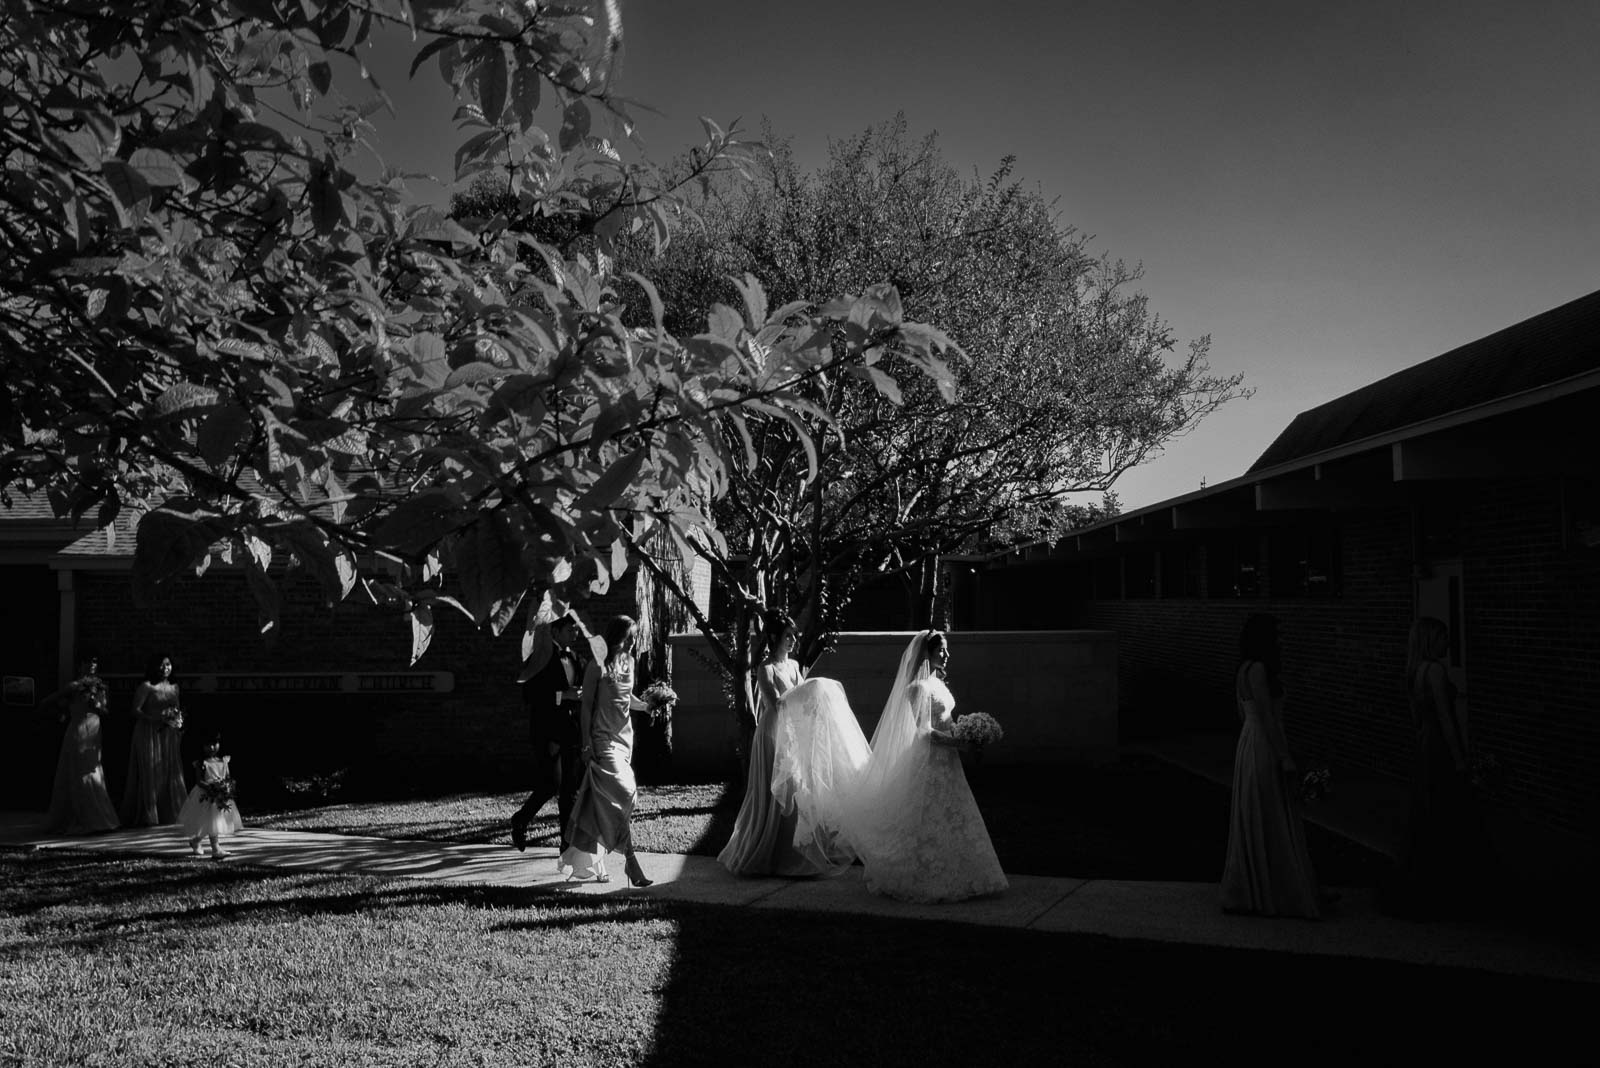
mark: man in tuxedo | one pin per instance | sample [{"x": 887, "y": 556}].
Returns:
[{"x": 552, "y": 697}]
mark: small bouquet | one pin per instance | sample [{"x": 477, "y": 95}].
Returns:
[
  {"x": 172, "y": 717},
  {"x": 978, "y": 729},
  {"x": 1484, "y": 771},
  {"x": 1315, "y": 784},
  {"x": 659, "y": 700},
  {"x": 219, "y": 792}
]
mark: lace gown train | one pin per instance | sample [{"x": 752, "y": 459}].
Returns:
[{"x": 928, "y": 842}]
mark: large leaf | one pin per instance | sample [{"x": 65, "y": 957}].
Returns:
[
  {"x": 537, "y": 645},
  {"x": 882, "y": 382},
  {"x": 220, "y": 432},
  {"x": 158, "y": 168},
  {"x": 609, "y": 488},
  {"x": 574, "y": 124},
  {"x": 184, "y": 400},
  {"x": 429, "y": 224},
  {"x": 172, "y": 539},
  {"x": 525, "y": 88},
  {"x": 419, "y": 523},
  {"x": 493, "y": 82},
  {"x": 129, "y": 189},
  {"x": 332, "y": 565},
  {"x": 421, "y": 631},
  {"x": 269, "y": 602},
  {"x": 489, "y": 562},
  {"x": 469, "y": 373}
]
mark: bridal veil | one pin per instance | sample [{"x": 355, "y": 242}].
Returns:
[{"x": 876, "y": 818}]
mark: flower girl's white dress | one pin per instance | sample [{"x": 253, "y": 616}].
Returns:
[{"x": 201, "y": 817}]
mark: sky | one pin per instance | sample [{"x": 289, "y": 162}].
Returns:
[{"x": 1331, "y": 192}]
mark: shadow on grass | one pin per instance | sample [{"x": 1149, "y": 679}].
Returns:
[
  {"x": 755, "y": 985},
  {"x": 808, "y": 989}
]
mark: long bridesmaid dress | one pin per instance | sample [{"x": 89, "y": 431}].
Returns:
[
  {"x": 1268, "y": 871},
  {"x": 155, "y": 789},
  {"x": 763, "y": 834},
  {"x": 79, "y": 803}
]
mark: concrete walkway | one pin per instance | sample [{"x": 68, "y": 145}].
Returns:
[{"x": 1162, "y": 911}]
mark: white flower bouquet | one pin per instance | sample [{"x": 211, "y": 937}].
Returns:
[
  {"x": 659, "y": 699},
  {"x": 1485, "y": 771},
  {"x": 1315, "y": 784},
  {"x": 978, "y": 729}
]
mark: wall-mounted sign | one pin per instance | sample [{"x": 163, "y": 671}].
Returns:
[{"x": 347, "y": 682}]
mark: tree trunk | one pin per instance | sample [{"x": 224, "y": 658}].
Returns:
[
  {"x": 743, "y": 695},
  {"x": 926, "y": 596}
]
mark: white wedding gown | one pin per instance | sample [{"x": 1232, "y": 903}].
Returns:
[{"x": 915, "y": 825}]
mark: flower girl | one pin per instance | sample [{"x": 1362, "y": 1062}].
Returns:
[{"x": 210, "y": 810}]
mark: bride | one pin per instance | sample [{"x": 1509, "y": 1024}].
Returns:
[{"x": 912, "y": 819}]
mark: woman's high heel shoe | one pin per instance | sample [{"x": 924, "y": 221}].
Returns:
[{"x": 636, "y": 874}]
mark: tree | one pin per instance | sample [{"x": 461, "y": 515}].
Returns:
[
  {"x": 1066, "y": 385},
  {"x": 208, "y": 312}
]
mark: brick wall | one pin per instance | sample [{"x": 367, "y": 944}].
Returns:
[
  {"x": 472, "y": 737},
  {"x": 1532, "y": 626},
  {"x": 1531, "y": 605}
]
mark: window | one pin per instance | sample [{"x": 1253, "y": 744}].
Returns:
[
  {"x": 1139, "y": 573},
  {"x": 1107, "y": 578},
  {"x": 1303, "y": 562},
  {"x": 1234, "y": 564},
  {"x": 1182, "y": 569}
]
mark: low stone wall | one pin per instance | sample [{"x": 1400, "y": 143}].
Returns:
[{"x": 1054, "y": 692}]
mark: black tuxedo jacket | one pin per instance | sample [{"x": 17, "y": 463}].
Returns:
[{"x": 549, "y": 717}]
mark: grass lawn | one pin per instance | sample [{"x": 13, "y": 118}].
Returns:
[
  {"x": 150, "y": 962},
  {"x": 1137, "y": 819}
]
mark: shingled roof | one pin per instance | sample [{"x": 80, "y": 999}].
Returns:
[{"x": 1545, "y": 349}]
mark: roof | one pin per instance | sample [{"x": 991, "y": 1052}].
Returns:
[
  {"x": 1545, "y": 349},
  {"x": 113, "y": 542},
  {"x": 29, "y": 506},
  {"x": 30, "y": 527}
]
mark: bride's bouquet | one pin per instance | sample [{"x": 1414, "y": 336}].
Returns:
[
  {"x": 1315, "y": 785},
  {"x": 219, "y": 792},
  {"x": 978, "y": 729},
  {"x": 1484, "y": 771},
  {"x": 659, "y": 699}
]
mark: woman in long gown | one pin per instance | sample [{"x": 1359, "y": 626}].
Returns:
[
  {"x": 79, "y": 803},
  {"x": 1268, "y": 869},
  {"x": 604, "y": 805},
  {"x": 155, "y": 789},
  {"x": 912, "y": 818},
  {"x": 1447, "y": 850},
  {"x": 778, "y": 830}
]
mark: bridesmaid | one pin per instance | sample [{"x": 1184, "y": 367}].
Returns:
[
  {"x": 763, "y": 834},
  {"x": 1447, "y": 853},
  {"x": 604, "y": 804},
  {"x": 1268, "y": 870},
  {"x": 155, "y": 790},
  {"x": 79, "y": 803}
]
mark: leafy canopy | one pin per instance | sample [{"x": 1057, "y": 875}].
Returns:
[
  {"x": 1070, "y": 379},
  {"x": 220, "y": 309}
]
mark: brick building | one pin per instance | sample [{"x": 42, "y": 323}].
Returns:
[
  {"x": 331, "y": 690},
  {"x": 1465, "y": 487}
]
